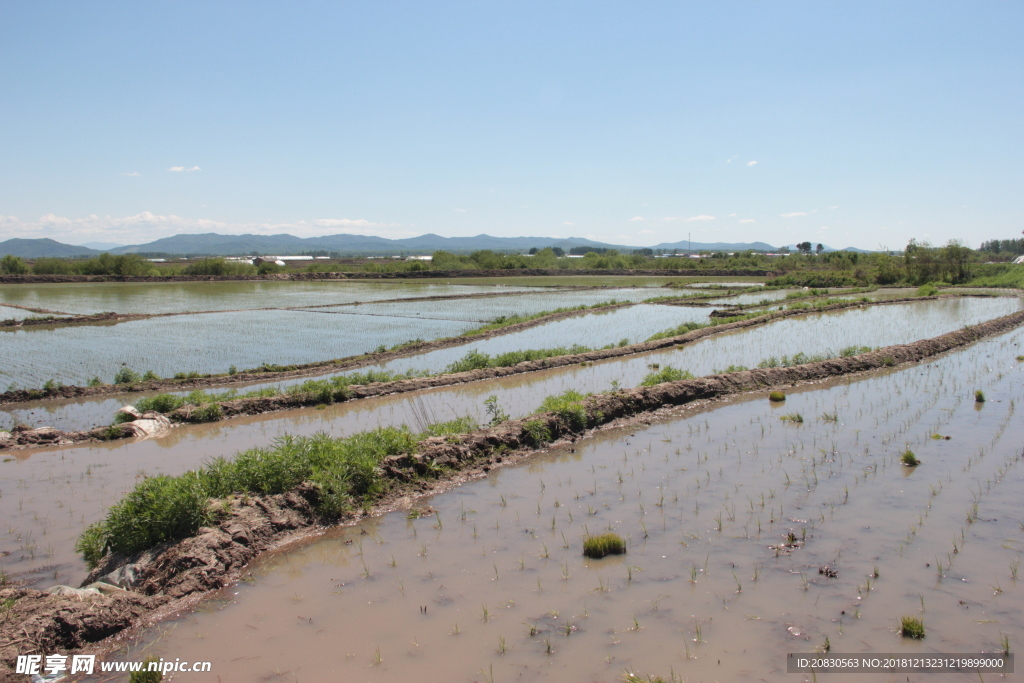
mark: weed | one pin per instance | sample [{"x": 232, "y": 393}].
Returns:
[
  {"x": 126, "y": 376},
  {"x": 927, "y": 289},
  {"x": 494, "y": 411},
  {"x": 888, "y": 361},
  {"x": 912, "y": 627},
  {"x": 164, "y": 508},
  {"x": 979, "y": 396},
  {"x": 909, "y": 459},
  {"x": 568, "y": 406},
  {"x": 776, "y": 396},
  {"x": 795, "y": 418},
  {"x": 537, "y": 432},
  {"x": 666, "y": 374},
  {"x": 146, "y": 675},
  {"x": 95, "y": 382},
  {"x": 604, "y": 544}
]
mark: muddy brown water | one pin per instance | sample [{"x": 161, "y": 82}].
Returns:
[
  {"x": 493, "y": 587},
  {"x": 48, "y": 496}
]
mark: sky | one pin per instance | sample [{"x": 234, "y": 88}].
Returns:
[{"x": 859, "y": 124}]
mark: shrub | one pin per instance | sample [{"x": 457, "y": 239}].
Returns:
[
  {"x": 604, "y": 544},
  {"x": 776, "y": 396},
  {"x": 912, "y": 627},
  {"x": 666, "y": 374},
  {"x": 909, "y": 459},
  {"x": 150, "y": 376}
]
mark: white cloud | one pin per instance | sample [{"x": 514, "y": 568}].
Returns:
[
  {"x": 459, "y": 210},
  {"x": 182, "y": 169},
  {"x": 636, "y": 219},
  {"x": 793, "y": 214},
  {"x": 646, "y": 232},
  {"x": 824, "y": 227},
  {"x": 833, "y": 207},
  {"x": 751, "y": 163},
  {"x": 568, "y": 223},
  {"x": 747, "y": 220},
  {"x": 132, "y": 174}
]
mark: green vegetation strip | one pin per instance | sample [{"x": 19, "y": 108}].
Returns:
[{"x": 350, "y": 473}]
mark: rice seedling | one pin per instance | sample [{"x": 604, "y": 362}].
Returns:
[
  {"x": 908, "y": 459},
  {"x": 794, "y": 418},
  {"x": 912, "y": 627},
  {"x": 604, "y": 544}
]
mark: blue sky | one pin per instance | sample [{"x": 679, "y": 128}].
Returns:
[{"x": 853, "y": 124}]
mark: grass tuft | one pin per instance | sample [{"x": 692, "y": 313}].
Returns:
[
  {"x": 568, "y": 406},
  {"x": 909, "y": 459},
  {"x": 604, "y": 544},
  {"x": 666, "y": 374},
  {"x": 912, "y": 627},
  {"x": 979, "y": 396},
  {"x": 776, "y": 396}
]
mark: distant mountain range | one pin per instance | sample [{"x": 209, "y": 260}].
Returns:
[
  {"x": 38, "y": 248},
  {"x": 213, "y": 244}
]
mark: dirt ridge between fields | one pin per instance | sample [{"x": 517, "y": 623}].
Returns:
[
  {"x": 176, "y": 573},
  {"x": 49, "y": 436}
]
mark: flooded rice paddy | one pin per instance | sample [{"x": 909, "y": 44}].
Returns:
[
  {"x": 35, "y": 479},
  {"x": 213, "y": 342},
  {"x": 731, "y": 516},
  {"x": 203, "y": 343},
  {"x": 814, "y": 333},
  {"x": 180, "y": 297}
]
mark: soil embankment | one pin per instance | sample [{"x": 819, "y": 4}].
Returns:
[
  {"x": 174, "y": 574},
  {"x": 49, "y": 436}
]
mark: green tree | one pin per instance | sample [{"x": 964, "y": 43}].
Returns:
[{"x": 13, "y": 265}]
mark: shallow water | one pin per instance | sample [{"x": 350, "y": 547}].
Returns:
[
  {"x": 492, "y": 307},
  {"x": 703, "y": 498},
  {"x": 177, "y": 297},
  {"x": 203, "y": 343},
  {"x": 814, "y": 333},
  {"x": 93, "y": 477}
]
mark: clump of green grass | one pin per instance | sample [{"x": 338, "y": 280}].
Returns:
[
  {"x": 145, "y": 675},
  {"x": 854, "y": 351},
  {"x": 979, "y": 396},
  {"x": 912, "y": 627},
  {"x": 346, "y": 472},
  {"x": 909, "y": 459},
  {"x": 888, "y": 361},
  {"x": 475, "y": 360},
  {"x": 666, "y": 374},
  {"x": 604, "y": 544},
  {"x": 569, "y": 406},
  {"x": 927, "y": 289},
  {"x": 126, "y": 376},
  {"x": 795, "y": 418},
  {"x": 537, "y": 432},
  {"x": 776, "y": 396}
]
